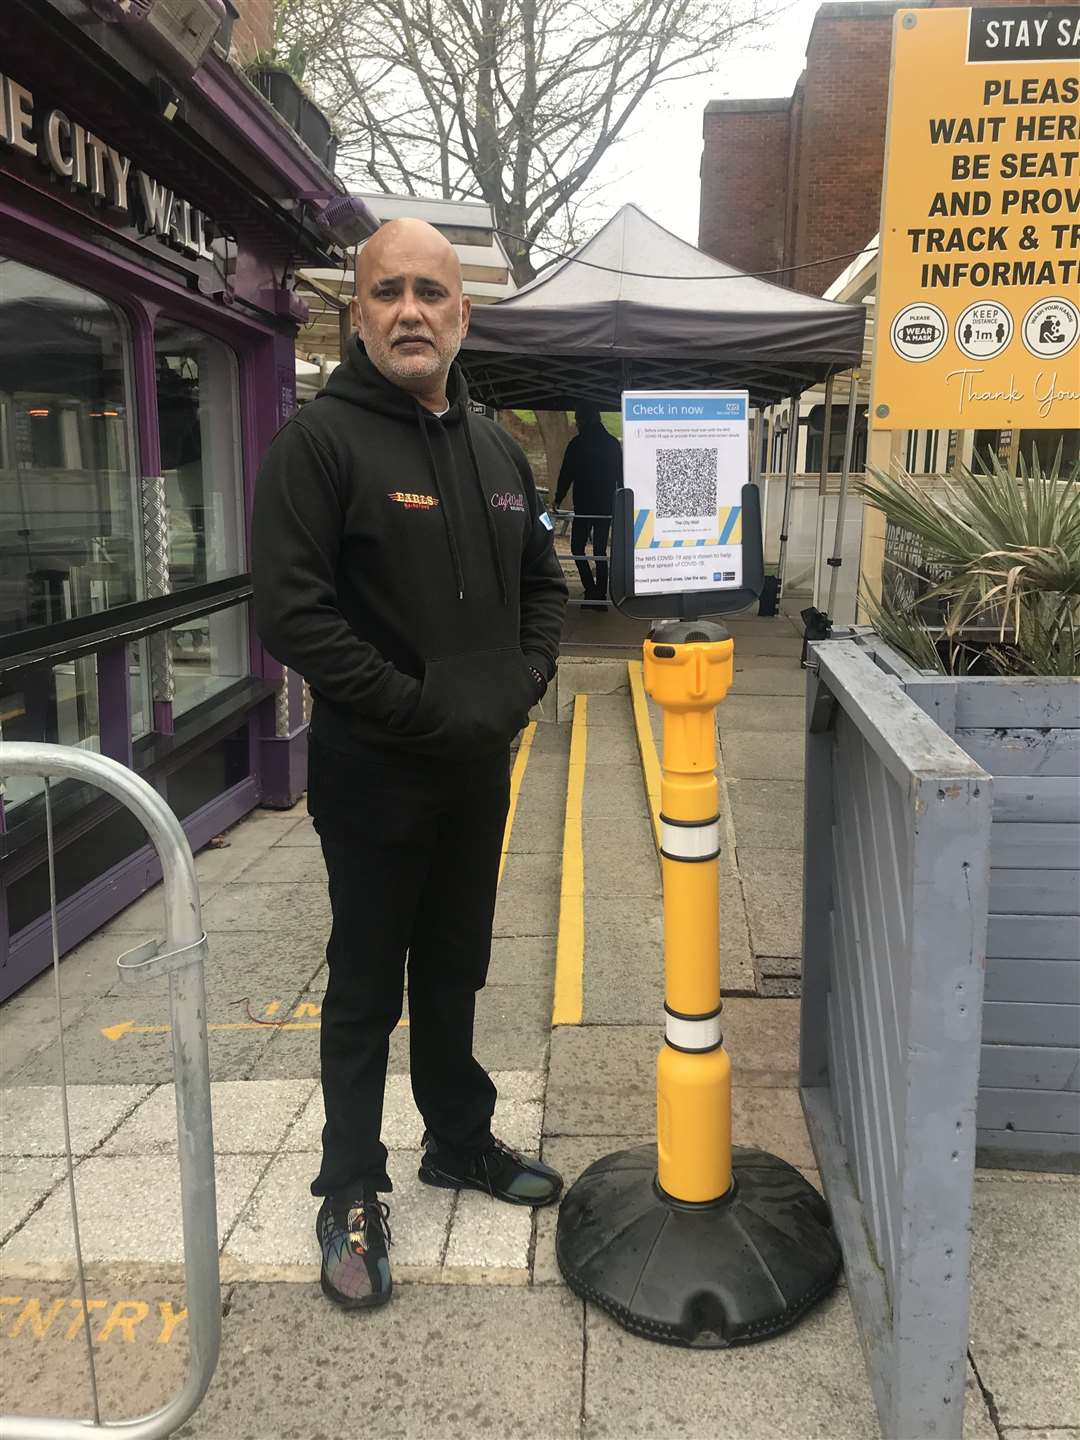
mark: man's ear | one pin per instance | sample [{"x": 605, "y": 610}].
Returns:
[
  {"x": 466, "y": 311},
  {"x": 354, "y": 316}
]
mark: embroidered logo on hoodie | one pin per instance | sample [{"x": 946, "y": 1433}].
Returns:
[
  {"x": 413, "y": 502},
  {"x": 509, "y": 500}
]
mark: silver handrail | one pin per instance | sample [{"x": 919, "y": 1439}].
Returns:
[{"x": 180, "y": 956}]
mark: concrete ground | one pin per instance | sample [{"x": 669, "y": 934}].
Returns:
[{"x": 482, "y": 1337}]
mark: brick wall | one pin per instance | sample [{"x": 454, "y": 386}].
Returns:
[
  {"x": 253, "y": 32},
  {"x": 742, "y": 211},
  {"x": 786, "y": 182}
]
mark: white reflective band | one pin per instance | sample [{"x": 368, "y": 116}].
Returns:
[
  {"x": 693, "y": 1034},
  {"x": 689, "y": 842}
]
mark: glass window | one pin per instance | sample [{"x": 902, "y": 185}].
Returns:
[
  {"x": 57, "y": 704},
  {"x": 200, "y": 455},
  {"x": 67, "y": 488},
  {"x": 208, "y": 654}
]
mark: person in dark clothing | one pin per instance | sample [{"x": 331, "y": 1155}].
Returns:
[
  {"x": 404, "y": 566},
  {"x": 592, "y": 468}
]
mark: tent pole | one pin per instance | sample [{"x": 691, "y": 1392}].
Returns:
[
  {"x": 755, "y": 447},
  {"x": 836, "y": 559},
  {"x": 789, "y": 480},
  {"x": 826, "y": 440}
]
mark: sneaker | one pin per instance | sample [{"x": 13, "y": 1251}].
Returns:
[
  {"x": 353, "y": 1233},
  {"x": 497, "y": 1171}
]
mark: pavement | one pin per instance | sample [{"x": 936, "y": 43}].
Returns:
[{"x": 482, "y": 1337}]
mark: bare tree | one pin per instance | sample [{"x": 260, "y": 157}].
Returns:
[{"x": 512, "y": 102}]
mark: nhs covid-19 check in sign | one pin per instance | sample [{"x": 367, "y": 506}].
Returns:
[{"x": 685, "y": 457}]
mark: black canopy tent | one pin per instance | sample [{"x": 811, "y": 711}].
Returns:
[{"x": 636, "y": 308}]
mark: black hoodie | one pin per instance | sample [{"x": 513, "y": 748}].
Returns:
[{"x": 403, "y": 565}]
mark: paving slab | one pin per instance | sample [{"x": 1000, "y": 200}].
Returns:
[
  {"x": 140, "y": 1338},
  {"x": 274, "y": 1237},
  {"x": 767, "y": 814},
  {"x": 772, "y": 886},
  {"x": 608, "y": 745},
  {"x": 489, "y": 1241},
  {"x": 303, "y": 906},
  {"x": 454, "y": 1362},
  {"x": 87, "y": 970},
  {"x": 624, "y": 965},
  {"x": 602, "y": 1080},
  {"x": 129, "y": 1214},
  {"x": 283, "y": 864},
  {"x": 1025, "y": 1323},
  {"x": 775, "y": 755},
  {"x": 522, "y": 960},
  {"x": 809, "y": 1382},
  {"x": 25, "y": 1181},
  {"x": 242, "y": 964},
  {"x": 736, "y": 961},
  {"x": 28, "y": 1026},
  {"x": 31, "y": 1117},
  {"x": 614, "y": 790},
  {"x": 302, "y": 833},
  {"x": 513, "y": 1026},
  {"x": 538, "y": 824},
  {"x": 127, "y": 1039},
  {"x": 620, "y": 855},
  {"x": 610, "y": 710},
  {"x": 762, "y": 1038},
  {"x": 766, "y": 675},
  {"x": 518, "y": 1114},
  {"x": 743, "y": 714},
  {"x": 249, "y": 1117}
]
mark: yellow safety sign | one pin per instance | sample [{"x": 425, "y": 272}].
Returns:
[{"x": 978, "y": 307}]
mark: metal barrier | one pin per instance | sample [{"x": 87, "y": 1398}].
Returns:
[
  {"x": 180, "y": 956},
  {"x": 564, "y": 519},
  {"x": 895, "y": 902}
]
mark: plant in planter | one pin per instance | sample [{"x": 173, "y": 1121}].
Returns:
[
  {"x": 991, "y": 651},
  {"x": 1004, "y": 551}
]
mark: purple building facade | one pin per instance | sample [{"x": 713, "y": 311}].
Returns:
[{"x": 150, "y": 224}]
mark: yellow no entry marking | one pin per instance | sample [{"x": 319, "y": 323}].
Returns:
[
  {"x": 570, "y": 950},
  {"x": 517, "y": 778},
  {"x": 650, "y": 760},
  {"x": 37, "y": 1319}
]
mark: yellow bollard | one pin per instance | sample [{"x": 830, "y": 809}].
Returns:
[
  {"x": 694, "y": 1241},
  {"x": 693, "y": 1073}
]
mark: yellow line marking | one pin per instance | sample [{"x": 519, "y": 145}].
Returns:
[
  {"x": 650, "y": 760},
  {"x": 570, "y": 952},
  {"x": 128, "y": 1027},
  {"x": 517, "y": 778}
]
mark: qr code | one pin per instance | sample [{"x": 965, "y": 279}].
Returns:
[{"x": 686, "y": 483}]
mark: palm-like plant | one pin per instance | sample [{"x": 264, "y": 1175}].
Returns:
[{"x": 1008, "y": 549}]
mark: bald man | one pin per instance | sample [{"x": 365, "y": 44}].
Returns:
[{"x": 404, "y": 567}]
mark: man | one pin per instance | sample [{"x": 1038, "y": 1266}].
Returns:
[
  {"x": 592, "y": 468},
  {"x": 404, "y": 567}
]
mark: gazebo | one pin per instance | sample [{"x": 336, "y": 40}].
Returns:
[{"x": 636, "y": 308}]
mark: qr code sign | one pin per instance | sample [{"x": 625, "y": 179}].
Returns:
[{"x": 686, "y": 483}]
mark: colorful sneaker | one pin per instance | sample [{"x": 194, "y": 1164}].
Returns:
[
  {"x": 353, "y": 1233},
  {"x": 497, "y": 1171}
]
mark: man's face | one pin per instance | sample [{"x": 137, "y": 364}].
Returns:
[{"x": 409, "y": 308}]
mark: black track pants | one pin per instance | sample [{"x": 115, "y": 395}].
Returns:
[{"x": 412, "y": 853}]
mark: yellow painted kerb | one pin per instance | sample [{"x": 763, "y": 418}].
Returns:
[
  {"x": 517, "y": 778},
  {"x": 570, "y": 952}
]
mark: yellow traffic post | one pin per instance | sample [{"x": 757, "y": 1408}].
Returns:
[
  {"x": 693, "y": 1072},
  {"x": 694, "y": 1241}
]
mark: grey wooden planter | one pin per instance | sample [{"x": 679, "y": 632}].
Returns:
[
  {"x": 1026, "y": 733},
  {"x": 941, "y": 984}
]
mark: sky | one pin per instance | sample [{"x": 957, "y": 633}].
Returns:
[{"x": 657, "y": 167}]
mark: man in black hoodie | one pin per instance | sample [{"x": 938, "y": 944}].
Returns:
[
  {"x": 404, "y": 567},
  {"x": 592, "y": 468}
]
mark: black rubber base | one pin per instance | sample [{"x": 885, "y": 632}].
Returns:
[{"x": 709, "y": 1276}]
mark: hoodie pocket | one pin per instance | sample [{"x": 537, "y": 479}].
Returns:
[{"x": 474, "y": 702}]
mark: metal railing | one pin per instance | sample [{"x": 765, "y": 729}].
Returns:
[{"x": 180, "y": 956}]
